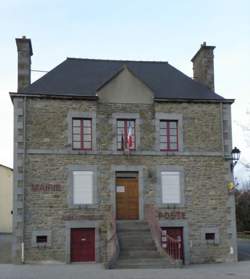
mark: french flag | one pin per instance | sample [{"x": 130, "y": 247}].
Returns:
[{"x": 129, "y": 137}]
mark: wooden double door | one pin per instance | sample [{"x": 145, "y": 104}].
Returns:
[
  {"x": 127, "y": 198},
  {"x": 82, "y": 245}
]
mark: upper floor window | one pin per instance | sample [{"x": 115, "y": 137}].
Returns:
[
  {"x": 82, "y": 133},
  {"x": 169, "y": 135},
  {"x": 125, "y": 134}
]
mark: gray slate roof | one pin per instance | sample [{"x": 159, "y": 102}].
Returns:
[{"x": 83, "y": 77}]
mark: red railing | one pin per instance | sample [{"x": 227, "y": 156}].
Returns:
[
  {"x": 163, "y": 241},
  {"x": 113, "y": 248}
]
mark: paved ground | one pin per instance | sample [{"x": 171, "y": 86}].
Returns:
[
  {"x": 244, "y": 250},
  {"x": 239, "y": 270}
]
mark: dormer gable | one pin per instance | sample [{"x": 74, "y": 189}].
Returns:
[{"x": 125, "y": 87}]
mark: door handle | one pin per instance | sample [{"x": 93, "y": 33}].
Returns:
[{"x": 83, "y": 239}]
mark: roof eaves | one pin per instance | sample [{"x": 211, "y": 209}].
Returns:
[
  {"x": 51, "y": 96},
  {"x": 186, "y": 100},
  {"x": 1, "y": 165}
]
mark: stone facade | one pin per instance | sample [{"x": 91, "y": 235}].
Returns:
[{"x": 44, "y": 159}]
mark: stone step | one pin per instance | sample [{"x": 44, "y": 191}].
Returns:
[
  {"x": 137, "y": 247},
  {"x": 143, "y": 263},
  {"x": 125, "y": 254},
  {"x": 132, "y": 226},
  {"x": 134, "y": 234},
  {"x": 136, "y": 242}
]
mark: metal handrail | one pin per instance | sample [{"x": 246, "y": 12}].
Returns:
[{"x": 162, "y": 240}]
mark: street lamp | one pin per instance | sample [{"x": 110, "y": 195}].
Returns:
[{"x": 235, "y": 157}]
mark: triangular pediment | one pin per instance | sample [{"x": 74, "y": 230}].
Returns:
[{"x": 125, "y": 87}]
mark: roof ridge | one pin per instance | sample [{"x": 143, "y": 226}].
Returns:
[{"x": 116, "y": 60}]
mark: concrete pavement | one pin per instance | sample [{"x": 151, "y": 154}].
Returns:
[{"x": 239, "y": 270}]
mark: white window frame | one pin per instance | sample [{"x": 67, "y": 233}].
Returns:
[
  {"x": 82, "y": 168},
  {"x": 166, "y": 186},
  {"x": 79, "y": 190},
  {"x": 159, "y": 196}
]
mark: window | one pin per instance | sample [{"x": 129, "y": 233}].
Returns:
[
  {"x": 125, "y": 129},
  {"x": 168, "y": 135},
  {"x": 41, "y": 239},
  {"x": 210, "y": 236},
  {"x": 82, "y": 133},
  {"x": 82, "y": 187},
  {"x": 170, "y": 186}
]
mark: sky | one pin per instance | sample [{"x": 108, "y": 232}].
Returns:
[{"x": 160, "y": 30}]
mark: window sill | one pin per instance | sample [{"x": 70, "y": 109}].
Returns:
[
  {"x": 83, "y": 206},
  {"x": 171, "y": 205}
]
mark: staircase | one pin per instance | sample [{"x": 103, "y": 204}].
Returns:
[{"x": 137, "y": 248}]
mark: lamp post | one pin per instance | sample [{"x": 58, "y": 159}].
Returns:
[{"x": 235, "y": 157}]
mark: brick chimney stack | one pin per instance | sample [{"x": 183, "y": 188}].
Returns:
[
  {"x": 203, "y": 66},
  {"x": 24, "y": 50}
]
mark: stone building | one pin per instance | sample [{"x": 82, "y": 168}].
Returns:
[
  {"x": 6, "y": 189},
  {"x": 118, "y": 161}
]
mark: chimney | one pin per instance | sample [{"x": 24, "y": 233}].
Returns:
[
  {"x": 24, "y": 50},
  {"x": 203, "y": 66}
]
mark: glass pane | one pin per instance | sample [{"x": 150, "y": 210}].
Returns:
[
  {"x": 163, "y": 146},
  {"x": 173, "y": 139},
  {"x": 76, "y": 130},
  {"x": 76, "y": 122},
  {"x": 76, "y": 138},
  {"x": 87, "y": 138},
  {"x": 87, "y": 123},
  {"x": 120, "y": 131},
  {"x": 172, "y": 124},
  {"x": 173, "y": 132},
  {"x": 163, "y": 139},
  {"x": 119, "y": 138},
  {"x": 76, "y": 145},
  {"x": 119, "y": 145},
  {"x": 173, "y": 146},
  {"x": 131, "y": 123},
  {"x": 87, "y": 130},
  {"x": 87, "y": 145},
  {"x": 163, "y": 124},
  {"x": 163, "y": 132},
  {"x": 120, "y": 123}
]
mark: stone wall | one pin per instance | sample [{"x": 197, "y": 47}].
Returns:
[{"x": 49, "y": 154}]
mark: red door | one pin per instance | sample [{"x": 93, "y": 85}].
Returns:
[
  {"x": 82, "y": 245},
  {"x": 176, "y": 233}
]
